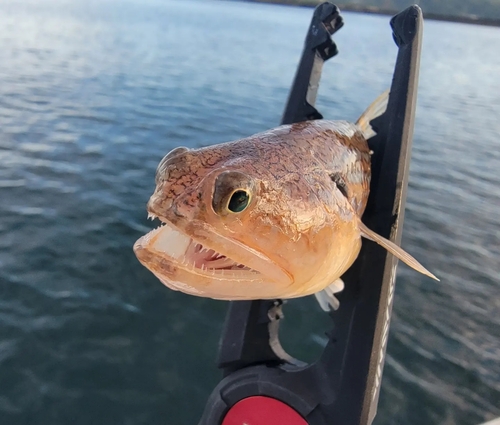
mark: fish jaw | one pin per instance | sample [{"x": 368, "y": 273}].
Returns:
[{"x": 199, "y": 261}]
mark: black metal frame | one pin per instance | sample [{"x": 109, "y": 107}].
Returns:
[{"x": 342, "y": 387}]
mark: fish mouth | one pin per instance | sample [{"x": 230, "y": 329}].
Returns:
[{"x": 201, "y": 261}]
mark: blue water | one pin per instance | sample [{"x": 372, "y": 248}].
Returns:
[{"x": 94, "y": 93}]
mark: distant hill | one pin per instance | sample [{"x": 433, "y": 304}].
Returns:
[{"x": 488, "y": 10}]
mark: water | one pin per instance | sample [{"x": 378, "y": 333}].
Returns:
[{"x": 94, "y": 93}]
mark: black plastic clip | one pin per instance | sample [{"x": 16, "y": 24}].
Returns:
[
  {"x": 318, "y": 48},
  {"x": 342, "y": 387}
]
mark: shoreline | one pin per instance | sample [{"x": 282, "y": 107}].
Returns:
[{"x": 387, "y": 12}]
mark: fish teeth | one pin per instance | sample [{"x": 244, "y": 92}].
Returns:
[
  {"x": 151, "y": 216},
  {"x": 171, "y": 242}
]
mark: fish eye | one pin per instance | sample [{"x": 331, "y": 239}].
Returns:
[
  {"x": 238, "y": 201},
  {"x": 232, "y": 193}
]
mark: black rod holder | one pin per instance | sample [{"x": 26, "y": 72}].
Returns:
[
  {"x": 318, "y": 48},
  {"x": 342, "y": 387}
]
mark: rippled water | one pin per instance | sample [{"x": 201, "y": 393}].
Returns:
[{"x": 94, "y": 93}]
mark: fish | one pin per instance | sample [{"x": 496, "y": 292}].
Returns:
[{"x": 276, "y": 215}]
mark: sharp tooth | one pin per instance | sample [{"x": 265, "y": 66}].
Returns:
[{"x": 172, "y": 242}]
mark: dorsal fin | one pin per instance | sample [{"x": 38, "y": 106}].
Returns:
[
  {"x": 377, "y": 108},
  {"x": 395, "y": 250}
]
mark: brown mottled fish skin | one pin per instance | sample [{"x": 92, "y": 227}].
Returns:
[{"x": 308, "y": 185}]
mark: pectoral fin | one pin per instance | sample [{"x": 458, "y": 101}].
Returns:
[
  {"x": 395, "y": 250},
  {"x": 327, "y": 299}
]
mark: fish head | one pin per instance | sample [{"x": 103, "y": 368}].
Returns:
[{"x": 237, "y": 228}]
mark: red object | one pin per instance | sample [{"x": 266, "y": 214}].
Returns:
[{"x": 260, "y": 410}]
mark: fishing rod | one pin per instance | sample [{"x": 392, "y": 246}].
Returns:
[{"x": 262, "y": 384}]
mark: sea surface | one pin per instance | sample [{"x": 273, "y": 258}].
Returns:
[{"x": 93, "y": 93}]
